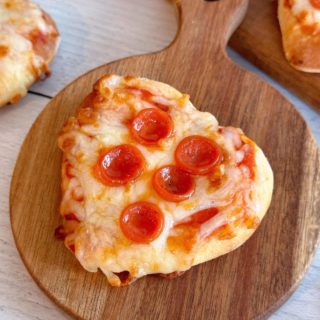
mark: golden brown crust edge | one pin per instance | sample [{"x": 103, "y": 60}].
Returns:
[
  {"x": 54, "y": 44},
  {"x": 264, "y": 187},
  {"x": 302, "y": 50}
]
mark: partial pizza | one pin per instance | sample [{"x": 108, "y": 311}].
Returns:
[
  {"x": 300, "y": 27},
  {"x": 151, "y": 185},
  {"x": 28, "y": 42}
]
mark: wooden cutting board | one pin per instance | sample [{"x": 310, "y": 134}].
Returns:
[
  {"x": 248, "y": 283},
  {"x": 258, "y": 39}
]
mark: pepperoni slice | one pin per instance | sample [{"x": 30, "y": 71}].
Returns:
[
  {"x": 173, "y": 183},
  {"x": 119, "y": 165},
  {"x": 142, "y": 222},
  {"x": 151, "y": 125},
  {"x": 198, "y": 155},
  {"x": 200, "y": 217},
  {"x": 71, "y": 217},
  {"x": 60, "y": 233},
  {"x": 315, "y": 3}
]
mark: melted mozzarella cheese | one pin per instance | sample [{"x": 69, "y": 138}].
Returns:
[
  {"x": 24, "y": 16},
  {"x": 20, "y": 65},
  {"x": 13, "y": 65},
  {"x": 304, "y": 8},
  {"x": 99, "y": 240}
]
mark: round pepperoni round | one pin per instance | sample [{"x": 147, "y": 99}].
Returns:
[
  {"x": 151, "y": 125},
  {"x": 173, "y": 184},
  {"x": 119, "y": 165},
  {"x": 198, "y": 155},
  {"x": 142, "y": 222},
  {"x": 202, "y": 216},
  {"x": 315, "y": 3}
]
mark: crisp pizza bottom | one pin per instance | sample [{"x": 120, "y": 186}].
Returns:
[{"x": 151, "y": 185}]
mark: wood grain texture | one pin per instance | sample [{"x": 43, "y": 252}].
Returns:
[
  {"x": 311, "y": 115},
  {"x": 248, "y": 283},
  {"x": 258, "y": 39},
  {"x": 103, "y": 31},
  {"x": 20, "y": 298}
]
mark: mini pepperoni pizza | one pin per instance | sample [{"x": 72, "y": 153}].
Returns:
[
  {"x": 151, "y": 185},
  {"x": 28, "y": 42},
  {"x": 300, "y": 27}
]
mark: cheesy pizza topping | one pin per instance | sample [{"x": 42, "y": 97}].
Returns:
[
  {"x": 307, "y": 13},
  {"x": 148, "y": 180},
  {"x": 28, "y": 42}
]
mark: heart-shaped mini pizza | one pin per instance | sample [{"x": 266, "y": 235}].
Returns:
[{"x": 151, "y": 185}]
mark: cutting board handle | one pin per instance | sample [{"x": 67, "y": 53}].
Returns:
[{"x": 206, "y": 26}]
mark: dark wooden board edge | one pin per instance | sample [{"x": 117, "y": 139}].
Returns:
[{"x": 258, "y": 39}]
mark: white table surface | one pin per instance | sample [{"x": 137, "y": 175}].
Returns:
[{"x": 93, "y": 33}]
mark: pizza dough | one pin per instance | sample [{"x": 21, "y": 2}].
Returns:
[
  {"x": 151, "y": 185},
  {"x": 300, "y": 27},
  {"x": 28, "y": 42}
]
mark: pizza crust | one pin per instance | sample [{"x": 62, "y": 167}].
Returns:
[
  {"x": 50, "y": 48},
  {"x": 263, "y": 189},
  {"x": 155, "y": 87},
  {"x": 25, "y": 50},
  {"x": 302, "y": 49}
]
